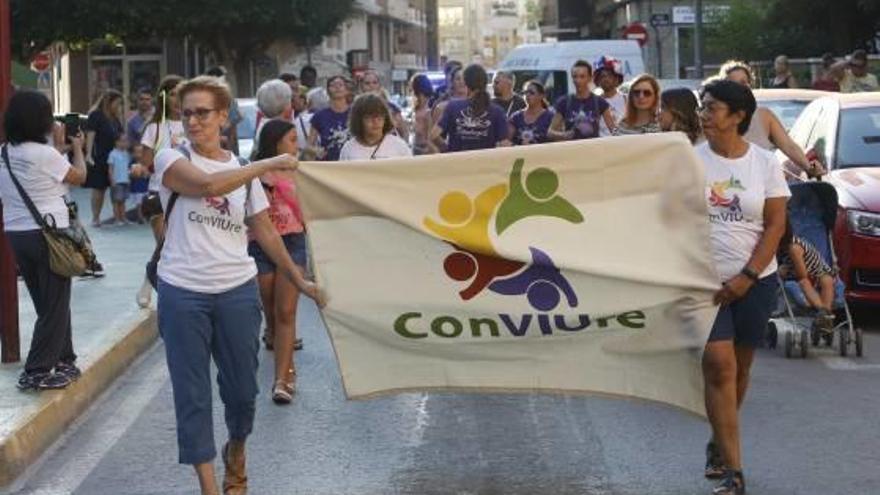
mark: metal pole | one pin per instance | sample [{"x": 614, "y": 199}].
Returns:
[
  {"x": 10, "y": 351},
  {"x": 698, "y": 38}
]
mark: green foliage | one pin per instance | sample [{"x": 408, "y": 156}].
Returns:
[
  {"x": 232, "y": 28},
  {"x": 760, "y": 30}
]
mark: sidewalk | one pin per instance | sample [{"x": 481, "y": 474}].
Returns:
[{"x": 109, "y": 332}]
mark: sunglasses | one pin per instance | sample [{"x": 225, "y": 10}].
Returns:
[
  {"x": 641, "y": 93},
  {"x": 857, "y": 66},
  {"x": 201, "y": 114},
  {"x": 531, "y": 92}
]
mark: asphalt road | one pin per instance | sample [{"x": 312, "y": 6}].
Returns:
[{"x": 809, "y": 427}]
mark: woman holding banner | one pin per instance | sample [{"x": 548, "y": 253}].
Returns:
[
  {"x": 747, "y": 194},
  {"x": 209, "y": 306}
]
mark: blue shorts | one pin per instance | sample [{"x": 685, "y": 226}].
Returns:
[
  {"x": 296, "y": 247},
  {"x": 745, "y": 320}
]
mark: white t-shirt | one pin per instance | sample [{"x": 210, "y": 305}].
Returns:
[
  {"x": 618, "y": 110},
  {"x": 735, "y": 193},
  {"x": 40, "y": 169},
  {"x": 206, "y": 242},
  {"x": 303, "y": 123},
  {"x": 390, "y": 147},
  {"x": 172, "y": 135}
]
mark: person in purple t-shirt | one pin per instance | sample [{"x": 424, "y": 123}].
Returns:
[
  {"x": 330, "y": 125},
  {"x": 530, "y": 125},
  {"x": 577, "y": 115},
  {"x": 475, "y": 123}
]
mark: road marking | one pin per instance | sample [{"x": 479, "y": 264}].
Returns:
[
  {"x": 87, "y": 455},
  {"x": 847, "y": 364}
]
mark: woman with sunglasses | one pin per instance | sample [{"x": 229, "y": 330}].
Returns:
[
  {"x": 641, "y": 107},
  {"x": 530, "y": 125}
]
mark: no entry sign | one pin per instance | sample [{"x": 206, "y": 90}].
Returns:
[{"x": 636, "y": 31}]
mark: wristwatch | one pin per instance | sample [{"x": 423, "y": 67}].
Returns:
[{"x": 752, "y": 274}]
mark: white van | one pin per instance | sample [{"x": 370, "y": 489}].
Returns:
[{"x": 550, "y": 63}]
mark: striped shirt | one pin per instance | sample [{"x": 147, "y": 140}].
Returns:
[{"x": 816, "y": 266}]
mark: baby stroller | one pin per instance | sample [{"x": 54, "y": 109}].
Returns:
[{"x": 812, "y": 212}]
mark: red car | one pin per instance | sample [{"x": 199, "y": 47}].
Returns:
[{"x": 843, "y": 130}]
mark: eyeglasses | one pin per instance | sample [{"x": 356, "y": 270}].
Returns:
[
  {"x": 201, "y": 114},
  {"x": 641, "y": 93}
]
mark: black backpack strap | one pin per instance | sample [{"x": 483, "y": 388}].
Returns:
[{"x": 41, "y": 222}]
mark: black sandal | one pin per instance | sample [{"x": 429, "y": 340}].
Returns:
[
  {"x": 732, "y": 483},
  {"x": 714, "y": 463}
]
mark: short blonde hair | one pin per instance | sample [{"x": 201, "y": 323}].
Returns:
[
  {"x": 220, "y": 90},
  {"x": 732, "y": 65}
]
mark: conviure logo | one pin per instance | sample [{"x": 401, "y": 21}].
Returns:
[{"x": 467, "y": 225}]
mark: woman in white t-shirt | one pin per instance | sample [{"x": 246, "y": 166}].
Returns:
[
  {"x": 746, "y": 195},
  {"x": 208, "y": 300},
  {"x": 165, "y": 130},
  {"x": 43, "y": 173},
  {"x": 371, "y": 128}
]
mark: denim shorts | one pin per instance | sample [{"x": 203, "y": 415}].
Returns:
[
  {"x": 745, "y": 320},
  {"x": 119, "y": 192},
  {"x": 296, "y": 247}
]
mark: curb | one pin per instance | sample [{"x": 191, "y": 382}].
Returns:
[{"x": 61, "y": 408}]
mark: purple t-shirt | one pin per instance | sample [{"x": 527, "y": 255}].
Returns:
[
  {"x": 332, "y": 128},
  {"x": 465, "y": 131},
  {"x": 530, "y": 133},
  {"x": 582, "y": 115}
]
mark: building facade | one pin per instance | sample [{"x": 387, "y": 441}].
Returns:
[
  {"x": 669, "y": 50},
  {"x": 484, "y": 31}
]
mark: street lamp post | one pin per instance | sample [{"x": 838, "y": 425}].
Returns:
[
  {"x": 698, "y": 38},
  {"x": 9, "y": 343}
]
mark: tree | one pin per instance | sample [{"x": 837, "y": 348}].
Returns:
[
  {"x": 754, "y": 30},
  {"x": 38, "y": 23},
  {"x": 235, "y": 30}
]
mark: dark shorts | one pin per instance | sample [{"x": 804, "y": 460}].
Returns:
[
  {"x": 295, "y": 244},
  {"x": 96, "y": 176},
  {"x": 119, "y": 192},
  {"x": 745, "y": 320},
  {"x": 151, "y": 205}
]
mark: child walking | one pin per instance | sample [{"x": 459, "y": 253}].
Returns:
[{"x": 119, "y": 160}]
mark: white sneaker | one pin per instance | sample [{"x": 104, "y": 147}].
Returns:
[{"x": 145, "y": 294}]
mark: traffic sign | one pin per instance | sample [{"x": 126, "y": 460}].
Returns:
[
  {"x": 636, "y": 31},
  {"x": 41, "y": 62},
  {"x": 658, "y": 20}
]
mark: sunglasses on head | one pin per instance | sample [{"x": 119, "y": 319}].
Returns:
[{"x": 639, "y": 93}]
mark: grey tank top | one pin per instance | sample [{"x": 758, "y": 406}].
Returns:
[{"x": 758, "y": 133}]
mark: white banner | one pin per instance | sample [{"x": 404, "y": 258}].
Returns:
[{"x": 576, "y": 267}]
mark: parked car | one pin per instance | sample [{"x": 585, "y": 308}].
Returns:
[
  {"x": 843, "y": 132},
  {"x": 787, "y": 104},
  {"x": 247, "y": 127}
]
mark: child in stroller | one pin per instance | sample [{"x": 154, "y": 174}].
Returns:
[{"x": 800, "y": 261}]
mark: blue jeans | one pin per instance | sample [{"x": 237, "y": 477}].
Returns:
[{"x": 195, "y": 327}]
